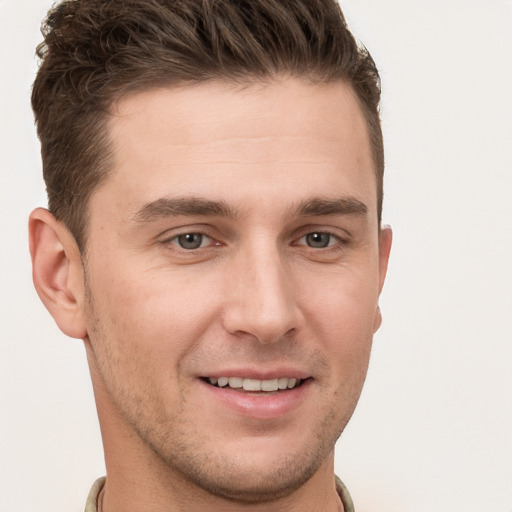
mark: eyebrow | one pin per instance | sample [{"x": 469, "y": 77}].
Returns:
[
  {"x": 184, "y": 206},
  {"x": 197, "y": 206},
  {"x": 318, "y": 206}
]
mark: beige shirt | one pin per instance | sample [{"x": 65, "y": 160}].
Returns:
[{"x": 92, "y": 500}]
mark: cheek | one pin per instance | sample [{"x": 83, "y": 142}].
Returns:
[
  {"x": 345, "y": 299},
  {"x": 342, "y": 313},
  {"x": 156, "y": 317}
]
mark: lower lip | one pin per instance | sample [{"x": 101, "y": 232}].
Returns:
[{"x": 260, "y": 406}]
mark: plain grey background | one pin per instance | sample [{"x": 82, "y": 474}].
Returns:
[{"x": 433, "y": 430}]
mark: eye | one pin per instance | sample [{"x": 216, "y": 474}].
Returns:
[
  {"x": 191, "y": 241},
  {"x": 319, "y": 239}
]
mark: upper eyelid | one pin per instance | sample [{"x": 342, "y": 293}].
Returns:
[
  {"x": 190, "y": 233},
  {"x": 211, "y": 240},
  {"x": 338, "y": 232},
  {"x": 171, "y": 233},
  {"x": 339, "y": 239},
  {"x": 170, "y": 243},
  {"x": 213, "y": 233},
  {"x": 320, "y": 231}
]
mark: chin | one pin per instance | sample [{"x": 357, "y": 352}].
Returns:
[
  {"x": 258, "y": 469},
  {"x": 245, "y": 482}
]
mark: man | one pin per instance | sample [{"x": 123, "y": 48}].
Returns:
[{"x": 214, "y": 173}]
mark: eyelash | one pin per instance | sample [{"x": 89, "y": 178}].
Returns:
[
  {"x": 202, "y": 233},
  {"x": 338, "y": 244}
]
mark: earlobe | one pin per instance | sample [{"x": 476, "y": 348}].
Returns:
[
  {"x": 377, "y": 322},
  {"x": 57, "y": 271},
  {"x": 385, "y": 240}
]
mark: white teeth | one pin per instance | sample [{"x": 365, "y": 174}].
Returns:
[
  {"x": 254, "y": 384},
  {"x": 236, "y": 382},
  {"x": 223, "y": 381},
  {"x": 269, "y": 385}
]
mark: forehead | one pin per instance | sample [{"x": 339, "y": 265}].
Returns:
[
  {"x": 218, "y": 139},
  {"x": 212, "y": 111}
]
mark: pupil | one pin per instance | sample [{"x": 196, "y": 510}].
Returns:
[
  {"x": 318, "y": 239},
  {"x": 190, "y": 240}
]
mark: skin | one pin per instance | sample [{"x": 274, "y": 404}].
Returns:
[{"x": 268, "y": 166}]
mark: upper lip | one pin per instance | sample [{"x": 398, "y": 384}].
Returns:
[{"x": 258, "y": 374}]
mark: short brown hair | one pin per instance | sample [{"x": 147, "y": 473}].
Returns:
[{"x": 95, "y": 50}]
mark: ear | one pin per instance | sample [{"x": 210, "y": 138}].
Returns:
[
  {"x": 57, "y": 272},
  {"x": 385, "y": 240}
]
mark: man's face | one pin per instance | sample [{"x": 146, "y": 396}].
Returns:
[{"x": 236, "y": 239}]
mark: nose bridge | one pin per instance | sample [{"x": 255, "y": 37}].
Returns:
[{"x": 261, "y": 299}]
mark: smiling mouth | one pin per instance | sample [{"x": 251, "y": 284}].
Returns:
[{"x": 255, "y": 385}]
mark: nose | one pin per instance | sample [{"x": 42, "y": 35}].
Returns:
[{"x": 261, "y": 302}]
